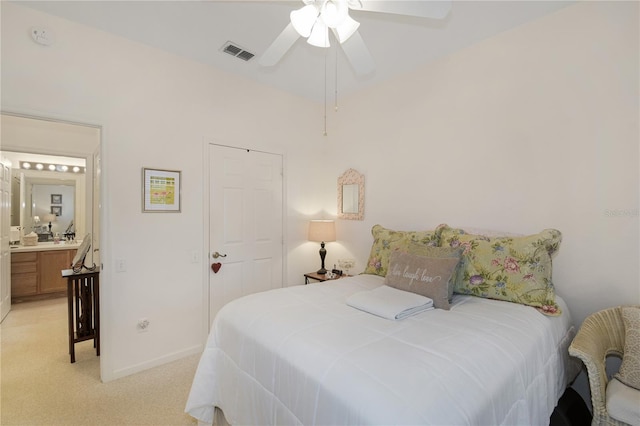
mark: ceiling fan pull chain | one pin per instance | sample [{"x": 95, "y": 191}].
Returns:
[
  {"x": 325, "y": 94},
  {"x": 336, "y": 94}
]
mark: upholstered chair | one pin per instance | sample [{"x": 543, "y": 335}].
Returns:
[{"x": 603, "y": 334}]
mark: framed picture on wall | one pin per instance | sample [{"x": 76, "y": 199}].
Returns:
[
  {"x": 56, "y": 198},
  {"x": 56, "y": 210},
  {"x": 161, "y": 190}
]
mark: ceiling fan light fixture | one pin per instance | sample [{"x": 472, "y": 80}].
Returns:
[
  {"x": 333, "y": 13},
  {"x": 346, "y": 29},
  {"x": 303, "y": 19},
  {"x": 319, "y": 35},
  {"x": 313, "y": 20}
]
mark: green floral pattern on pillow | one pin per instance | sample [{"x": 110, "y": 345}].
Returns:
[
  {"x": 387, "y": 240},
  {"x": 515, "y": 269}
]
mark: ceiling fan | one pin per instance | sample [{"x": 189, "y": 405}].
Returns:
[{"x": 314, "y": 20}]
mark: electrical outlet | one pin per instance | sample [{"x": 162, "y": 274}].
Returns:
[{"x": 143, "y": 325}]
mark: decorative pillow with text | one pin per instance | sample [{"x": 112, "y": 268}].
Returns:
[
  {"x": 441, "y": 252},
  {"x": 427, "y": 276}
]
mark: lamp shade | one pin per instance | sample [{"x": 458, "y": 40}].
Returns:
[
  {"x": 49, "y": 217},
  {"x": 322, "y": 230}
]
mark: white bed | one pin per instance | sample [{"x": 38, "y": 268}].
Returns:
[{"x": 300, "y": 355}]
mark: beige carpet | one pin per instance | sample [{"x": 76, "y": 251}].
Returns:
[{"x": 39, "y": 386}]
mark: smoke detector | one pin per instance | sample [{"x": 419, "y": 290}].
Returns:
[{"x": 43, "y": 36}]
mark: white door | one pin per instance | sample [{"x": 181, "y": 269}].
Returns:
[
  {"x": 245, "y": 229},
  {"x": 5, "y": 254}
]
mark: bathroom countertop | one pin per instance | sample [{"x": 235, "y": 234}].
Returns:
[{"x": 46, "y": 246}]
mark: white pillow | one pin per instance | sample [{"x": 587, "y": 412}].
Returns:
[{"x": 623, "y": 402}]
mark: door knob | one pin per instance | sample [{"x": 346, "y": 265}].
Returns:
[{"x": 217, "y": 255}]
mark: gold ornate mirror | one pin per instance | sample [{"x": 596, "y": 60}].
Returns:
[{"x": 351, "y": 195}]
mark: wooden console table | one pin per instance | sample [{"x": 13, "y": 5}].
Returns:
[{"x": 83, "y": 299}]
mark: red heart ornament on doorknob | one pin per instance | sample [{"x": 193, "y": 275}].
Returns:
[{"x": 216, "y": 267}]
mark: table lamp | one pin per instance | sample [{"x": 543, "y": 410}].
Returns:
[
  {"x": 322, "y": 231},
  {"x": 49, "y": 218}
]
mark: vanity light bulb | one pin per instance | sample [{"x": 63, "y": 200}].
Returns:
[
  {"x": 52, "y": 167},
  {"x": 26, "y": 165},
  {"x": 76, "y": 169},
  {"x": 39, "y": 166},
  {"x": 64, "y": 168}
]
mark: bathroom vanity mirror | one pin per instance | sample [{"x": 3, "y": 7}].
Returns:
[
  {"x": 351, "y": 195},
  {"x": 52, "y": 207},
  {"x": 47, "y": 202}
]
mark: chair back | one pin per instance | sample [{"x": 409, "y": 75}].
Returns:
[{"x": 602, "y": 334}]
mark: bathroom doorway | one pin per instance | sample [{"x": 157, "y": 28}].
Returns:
[{"x": 54, "y": 142}]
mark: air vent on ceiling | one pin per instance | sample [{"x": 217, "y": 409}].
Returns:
[{"x": 237, "y": 51}]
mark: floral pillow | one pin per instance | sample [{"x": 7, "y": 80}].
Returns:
[
  {"x": 387, "y": 240},
  {"x": 515, "y": 269}
]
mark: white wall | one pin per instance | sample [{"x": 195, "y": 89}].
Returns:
[
  {"x": 156, "y": 110},
  {"x": 534, "y": 128}
]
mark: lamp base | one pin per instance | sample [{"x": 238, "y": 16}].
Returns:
[{"x": 323, "y": 253}]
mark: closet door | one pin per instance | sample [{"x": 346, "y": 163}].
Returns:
[{"x": 245, "y": 224}]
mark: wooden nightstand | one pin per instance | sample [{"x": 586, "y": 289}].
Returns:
[{"x": 318, "y": 277}]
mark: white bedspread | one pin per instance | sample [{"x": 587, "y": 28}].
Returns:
[{"x": 300, "y": 355}]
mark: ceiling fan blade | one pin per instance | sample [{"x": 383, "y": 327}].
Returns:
[
  {"x": 279, "y": 47},
  {"x": 358, "y": 54},
  {"x": 436, "y": 9}
]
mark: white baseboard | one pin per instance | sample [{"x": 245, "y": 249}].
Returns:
[{"x": 123, "y": 372}]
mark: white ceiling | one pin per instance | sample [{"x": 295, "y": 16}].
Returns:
[{"x": 198, "y": 29}]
